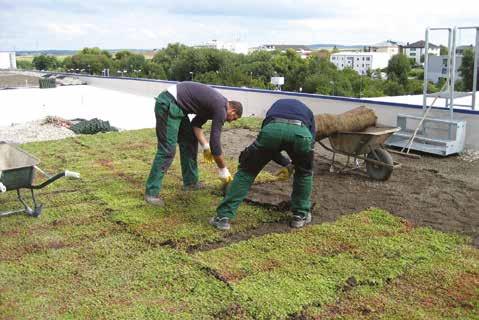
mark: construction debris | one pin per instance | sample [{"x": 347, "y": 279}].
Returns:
[
  {"x": 65, "y": 80},
  {"x": 469, "y": 155},
  {"x": 353, "y": 120},
  {"x": 58, "y": 122}
]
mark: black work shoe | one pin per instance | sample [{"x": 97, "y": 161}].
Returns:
[
  {"x": 300, "y": 221},
  {"x": 193, "y": 187},
  {"x": 220, "y": 223},
  {"x": 155, "y": 200}
]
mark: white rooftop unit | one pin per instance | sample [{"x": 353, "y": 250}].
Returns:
[{"x": 8, "y": 60}]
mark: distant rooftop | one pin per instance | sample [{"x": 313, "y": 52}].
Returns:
[
  {"x": 355, "y": 53},
  {"x": 387, "y": 43},
  {"x": 286, "y": 46},
  {"x": 420, "y": 44}
]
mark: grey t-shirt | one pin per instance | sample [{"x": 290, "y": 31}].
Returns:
[{"x": 207, "y": 104}]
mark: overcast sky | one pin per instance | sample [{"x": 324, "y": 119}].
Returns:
[{"x": 44, "y": 24}]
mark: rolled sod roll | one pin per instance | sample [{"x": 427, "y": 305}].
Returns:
[{"x": 353, "y": 120}]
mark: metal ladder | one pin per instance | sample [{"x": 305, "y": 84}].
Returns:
[{"x": 444, "y": 135}]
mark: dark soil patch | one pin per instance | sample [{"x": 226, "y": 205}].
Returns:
[{"x": 442, "y": 193}]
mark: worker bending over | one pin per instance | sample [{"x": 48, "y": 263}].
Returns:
[
  {"x": 173, "y": 125},
  {"x": 289, "y": 126}
]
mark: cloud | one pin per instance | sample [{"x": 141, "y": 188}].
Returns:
[
  {"x": 70, "y": 29},
  {"x": 68, "y": 24},
  {"x": 279, "y": 9}
]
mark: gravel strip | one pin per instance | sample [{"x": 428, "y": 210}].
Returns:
[
  {"x": 469, "y": 155},
  {"x": 33, "y": 131}
]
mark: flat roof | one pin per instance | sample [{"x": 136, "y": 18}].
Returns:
[
  {"x": 351, "y": 53},
  {"x": 122, "y": 110}
]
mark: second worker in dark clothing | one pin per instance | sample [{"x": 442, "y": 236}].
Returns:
[
  {"x": 173, "y": 125},
  {"x": 289, "y": 126}
]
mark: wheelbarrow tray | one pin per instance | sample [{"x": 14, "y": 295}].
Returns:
[
  {"x": 16, "y": 167},
  {"x": 17, "y": 171},
  {"x": 365, "y": 145},
  {"x": 363, "y": 142}
]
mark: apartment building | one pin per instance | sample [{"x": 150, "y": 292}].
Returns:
[
  {"x": 361, "y": 62},
  {"x": 389, "y": 47},
  {"x": 303, "y": 51},
  {"x": 438, "y": 67},
  {"x": 417, "y": 49},
  {"x": 8, "y": 60},
  {"x": 236, "y": 47}
]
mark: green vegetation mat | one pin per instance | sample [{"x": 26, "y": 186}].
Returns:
[{"x": 99, "y": 252}]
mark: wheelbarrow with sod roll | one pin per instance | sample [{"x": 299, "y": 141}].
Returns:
[
  {"x": 17, "y": 171},
  {"x": 366, "y": 145}
]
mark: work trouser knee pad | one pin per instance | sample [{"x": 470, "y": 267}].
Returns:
[
  {"x": 253, "y": 159},
  {"x": 303, "y": 164}
]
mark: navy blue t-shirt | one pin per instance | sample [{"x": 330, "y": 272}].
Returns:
[{"x": 291, "y": 109}]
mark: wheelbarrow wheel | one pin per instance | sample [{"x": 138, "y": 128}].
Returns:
[{"x": 377, "y": 171}]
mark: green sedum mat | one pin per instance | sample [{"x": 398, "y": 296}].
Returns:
[{"x": 99, "y": 252}]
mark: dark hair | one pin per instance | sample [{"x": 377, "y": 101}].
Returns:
[{"x": 237, "y": 107}]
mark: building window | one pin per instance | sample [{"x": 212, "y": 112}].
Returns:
[
  {"x": 368, "y": 58},
  {"x": 412, "y": 54},
  {"x": 412, "y": 49},
  {"x": 334, "y": 58}
]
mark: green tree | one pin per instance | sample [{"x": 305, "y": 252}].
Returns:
[
  {"x": 467, "y": 70},
  {"x": 90, "y": 60},
  {"x": 443, "y": 51},
  {"x": 131, "y": 62},
  {"x": 44, "y": 62},
  {"x": 153, "y": 70},
  {"x": 123, "y": 54},
  {"x": 393, "y": 88},
  {"x": 398, "y": 69}
]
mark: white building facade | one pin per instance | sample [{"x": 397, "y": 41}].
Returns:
[
  {"x": 417, "y": 50},
  {"x": 236, "y": 47},
  {"x": 360, "y": 62},
  {"x": 8, "y": 60},
  {"x": 389, "y": 47},
  {"x": 303, "y": 51},
  {"x": 438, "y": 68}
]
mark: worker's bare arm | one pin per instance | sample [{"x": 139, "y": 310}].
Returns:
[
  {"x": 200, "y": 136},
  {"x": 220, "y": 161}
]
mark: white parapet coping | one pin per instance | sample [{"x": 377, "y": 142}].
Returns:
[{"x": 256, "y": 102}]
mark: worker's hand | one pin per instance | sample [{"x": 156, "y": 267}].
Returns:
[
  {"x": 207, "y": 156},
  {"x": 225, "y": 176},
  {"x": 285, "y": 173}
]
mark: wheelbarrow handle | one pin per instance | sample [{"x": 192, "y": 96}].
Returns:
[
  {"x": 66, "y": 173},
  {"x": 72, "y": 174},
  {"x": 3, "y": 188}
]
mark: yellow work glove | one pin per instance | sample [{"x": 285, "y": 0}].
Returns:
[
  {"x": 207, "y": 155},
  {"x": 285, "y": 173},
  {"x": 225, "y": 176}
]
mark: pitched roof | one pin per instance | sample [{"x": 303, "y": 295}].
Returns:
[{"x": 420, "y": 44}]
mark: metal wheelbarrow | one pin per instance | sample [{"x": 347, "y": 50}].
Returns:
[
  {"x": 17, "y": 171},
  {"x": 367, "y": 145}
]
